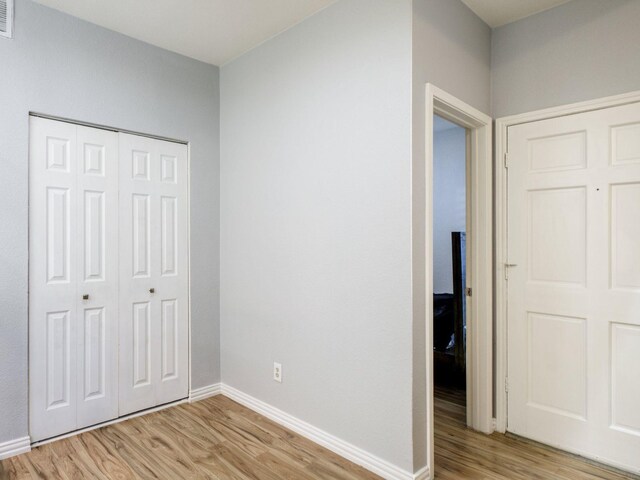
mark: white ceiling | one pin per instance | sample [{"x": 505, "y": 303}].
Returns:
[
  {"x": 500, "y": 12},
  {"x": 214, "y": 31}
]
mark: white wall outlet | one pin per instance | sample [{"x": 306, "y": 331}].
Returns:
[{"x": 277, "y": 372}]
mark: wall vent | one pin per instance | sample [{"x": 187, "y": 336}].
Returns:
[{"x": 6, "y": 18}]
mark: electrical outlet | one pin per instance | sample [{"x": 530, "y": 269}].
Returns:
[{"x": 277, "y": 372}]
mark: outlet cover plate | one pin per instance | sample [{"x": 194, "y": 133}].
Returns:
[{"x": 277, "y": 372}]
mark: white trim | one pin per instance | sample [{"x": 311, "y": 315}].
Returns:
[
  {"x": 189, "y": 272},
  {"x": 422, "y": 474},
  {"x": 198, "y": 394},
  {"x": 110, "y": 422},
  {"x": 480, "y": 268},
  {"x": 502, "y": 125},
  {"x": 106, "y": 127},
  {"x": 344, "y": 449},
  {"x": 15, "y": 447}
]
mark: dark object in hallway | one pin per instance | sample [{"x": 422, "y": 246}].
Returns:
[
  {"x": 449, "y": 322},
  {"x": 443, "y": 320}
]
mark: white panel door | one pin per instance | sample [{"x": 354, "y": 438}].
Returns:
[
  {"x": 153, "y": 273},
  {"x": 97, "y": 276},
  {"x": 574, "y": 296},
  {"x": 72, "y": 251}
]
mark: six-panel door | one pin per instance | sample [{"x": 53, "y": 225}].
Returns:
[
  {"x": 73, "y": 277},
  {"x": 74, "y": 273},
  {"x": 574, "y": 296}
]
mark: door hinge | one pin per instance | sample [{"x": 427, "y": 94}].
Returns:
[
  {"x": 506, "y": 384},
  {"x": 507, "y": 266},
  {"x": 468, "y": 291},
  {"x": 506, "y": 160}
]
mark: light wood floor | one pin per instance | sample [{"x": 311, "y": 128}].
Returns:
[
  {"x": 219, "y": 439},
  {"x": 212, "y": 439},
  {"x": 463, "y": 453}
]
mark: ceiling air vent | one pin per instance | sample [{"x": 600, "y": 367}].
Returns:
[{"x": 6, "y": 18}]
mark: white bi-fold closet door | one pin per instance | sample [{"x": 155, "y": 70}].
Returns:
[{"x": 108, "y": 280}]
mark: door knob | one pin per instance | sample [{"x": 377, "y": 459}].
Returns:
[
  {"x": 152, "y": 290},
  {"x": 85, "y": 297}
]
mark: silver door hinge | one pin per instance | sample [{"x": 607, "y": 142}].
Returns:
[
  {"x": 506, "y": 384},
  {"x": 506, "y": 160},
  {"x": 468, "y": 291}
]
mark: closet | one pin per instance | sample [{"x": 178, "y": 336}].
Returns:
[{"x": 108, "y": 275}]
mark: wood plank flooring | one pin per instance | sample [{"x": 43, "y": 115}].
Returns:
[
  {"x": 219, "y": 439},
  {"x": 212, "y": 439},
  {"x": 463, "y": 453}
]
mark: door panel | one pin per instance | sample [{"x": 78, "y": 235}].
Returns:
[
  {"x": 138, "y": 357},
  {"x": 52, "y": 278},
  {"x": 141, "y": 241},
  {"x": 173, "y": 282},
  {"x": 95, "y": 376},
  {"x": 625, "y": 237},
  {"x": 73, "y": 221},
  {"x": 573, "y": 298},
  {"x": 58, "y": 360},
  {"x": 97, "y": 276},
  {"x": 153, "y": 274}
]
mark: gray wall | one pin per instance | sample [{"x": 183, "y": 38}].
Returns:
[
  {"x": 452, "y": 50},
  {"x": 316, "y": 223},
  {"x": 62, "y": 66},
  {"x": 581, "y": 50},
  {"x": 449, "y": 201}
]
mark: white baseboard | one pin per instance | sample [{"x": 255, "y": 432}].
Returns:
[
  {"x": 422, "y": 474},
  {"x": 15, "y": 447},
  {"x": 205, "y": 392},
  {"x": 350, "y": 452}
]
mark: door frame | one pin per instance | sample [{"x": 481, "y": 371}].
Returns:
[
  {"x": 479, "y": 263},
  {"x": 501, "y": 222},
  {"x": 189, "y": 351}
]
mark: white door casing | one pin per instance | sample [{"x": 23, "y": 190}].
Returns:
[
  {"x": 573, "y": 298},
  {"x": 153, "y": 273},
  {"x": 73, "y": 252}
]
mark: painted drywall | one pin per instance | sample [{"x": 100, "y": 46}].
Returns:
[
  {"x": 449, "y": 201},
  {"x": 582, "y": 50},
  {"x": 62, "y": 66},
  {"x": 452, "y": 50},
  {"x": 316, "y": 224}
]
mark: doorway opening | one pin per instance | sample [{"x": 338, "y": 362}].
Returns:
[
  {"x": 473, "y": 261},
  {"x": 450, "y": 158}
]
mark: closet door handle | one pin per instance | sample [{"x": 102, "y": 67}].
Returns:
[
  {"x": 152, "y": 290},
  {"x": 85, "y": 297}
]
